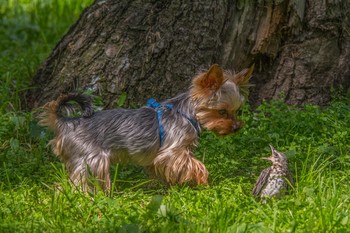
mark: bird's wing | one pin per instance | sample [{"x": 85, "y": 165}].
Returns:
[{"x": 260, "y": 183}]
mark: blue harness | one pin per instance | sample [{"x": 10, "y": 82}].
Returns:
[{"x": 159, "y": 108}]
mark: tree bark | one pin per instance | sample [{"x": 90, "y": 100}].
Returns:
[{"x": 152, "y": 48}]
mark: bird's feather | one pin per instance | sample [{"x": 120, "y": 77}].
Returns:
[{"x": 261, "y": 182}]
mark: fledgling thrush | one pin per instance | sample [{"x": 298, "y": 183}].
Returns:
[{"x": 274, "y": 181}]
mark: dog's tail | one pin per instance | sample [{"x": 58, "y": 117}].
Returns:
[{"x": 51, "y": 112}]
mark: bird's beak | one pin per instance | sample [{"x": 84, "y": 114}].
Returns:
[{"x": 267, "y": 158}]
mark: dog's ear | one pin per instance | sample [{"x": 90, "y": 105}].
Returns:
[
  {"x": 242, "y": 78},
  {"x": 212, "y": 80}
]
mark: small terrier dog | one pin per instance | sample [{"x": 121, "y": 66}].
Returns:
[{"x": 159, "y": 136}]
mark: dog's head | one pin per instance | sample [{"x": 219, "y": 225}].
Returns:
[{"x": 220, "y": 95}]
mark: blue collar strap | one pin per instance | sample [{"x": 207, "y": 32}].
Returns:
[
  {"x": 193, "y": 122},
  {"x": 160, "y": 108}
]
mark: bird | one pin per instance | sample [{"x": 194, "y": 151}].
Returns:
[{"x": 275, "y": 180}]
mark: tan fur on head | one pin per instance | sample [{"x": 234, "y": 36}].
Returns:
[
  {"x": 220, "y": 95},
  {"x": 208, "y": 83},
  {"x": 242, "y": 80}
]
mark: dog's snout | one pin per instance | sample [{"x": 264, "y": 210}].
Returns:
[{"x": 237, "y": 126}]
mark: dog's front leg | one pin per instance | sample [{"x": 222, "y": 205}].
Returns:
[{"x": 179, "y": 166}]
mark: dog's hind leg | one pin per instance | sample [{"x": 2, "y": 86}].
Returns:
[
  {"x": 98, "y": 168},
  {"x": 91, "y": 173},
  {"x": 78, "y": 176}
]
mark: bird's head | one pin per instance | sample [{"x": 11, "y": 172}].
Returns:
[{"x": 276, "y": 157}]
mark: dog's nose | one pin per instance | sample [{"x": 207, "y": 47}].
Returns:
[{"x": 235, "y": 127}]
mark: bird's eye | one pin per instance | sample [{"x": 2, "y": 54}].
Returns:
[{"x": 223, "y": 112}]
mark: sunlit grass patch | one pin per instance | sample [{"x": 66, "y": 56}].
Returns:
[{"x": 34, "y": 181}]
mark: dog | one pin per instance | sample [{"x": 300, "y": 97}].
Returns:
[{"x": 158, "y": 136}]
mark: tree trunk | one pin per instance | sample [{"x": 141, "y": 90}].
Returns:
[{"x": 152, "y": 48}]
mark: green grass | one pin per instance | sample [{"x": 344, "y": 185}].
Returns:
[{"x": 36, "y": 197}]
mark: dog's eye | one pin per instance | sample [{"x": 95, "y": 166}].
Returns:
[{"x": 223, "y": 112}]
